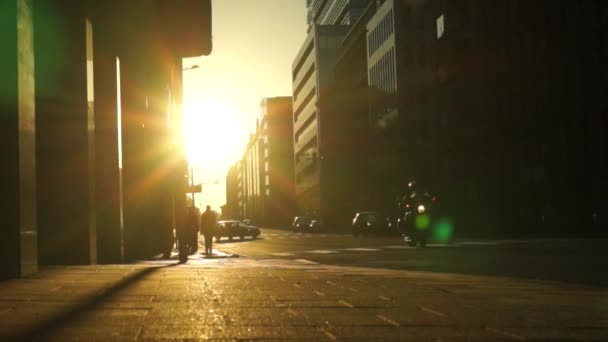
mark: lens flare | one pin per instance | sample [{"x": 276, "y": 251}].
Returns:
[
  {"x": 423, "y": 222},
  {"x": 443, "y": 230}
]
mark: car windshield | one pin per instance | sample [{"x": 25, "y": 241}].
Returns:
[{"x": 303, "y": 220}]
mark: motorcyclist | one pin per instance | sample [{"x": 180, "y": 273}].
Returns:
[{"x": 416, "y": 202}]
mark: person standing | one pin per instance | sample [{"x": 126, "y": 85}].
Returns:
[{"x": 208, "y": 223}]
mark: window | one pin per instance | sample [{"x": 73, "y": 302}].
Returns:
[{"x": 440, "y": 26}]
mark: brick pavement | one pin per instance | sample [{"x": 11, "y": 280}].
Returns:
[{"x": 243, "y": 298}]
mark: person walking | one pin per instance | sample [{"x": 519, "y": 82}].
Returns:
[
  {"x": 193, "y": 229},
  {"x": 208, "y": 223}
]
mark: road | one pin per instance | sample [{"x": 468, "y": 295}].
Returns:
[
  {"x": 323, "y": 287},
  {"x": 567, "y": 260}
]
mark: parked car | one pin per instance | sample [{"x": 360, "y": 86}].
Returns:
[
  {"x": 372, "y": 222},
  {"x": 233, "y": 228},
  {"x": 249, "y": 222},
  {"x": 302, "y": 224}
]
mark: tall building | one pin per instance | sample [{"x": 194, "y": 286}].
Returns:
[
  {"x": 230, "y": 211},
  {"x": 261, "y": 185},
  {"x": 277, "y": 134},
  {"x": 347, "y": 167},
  {"x": 252, "y": 177},
  {"x": 496, "y": 105},
  {"x": 312, "y": 73},
  {"x": 334, "y": 12},
  {"x": 94, "y": 66}
]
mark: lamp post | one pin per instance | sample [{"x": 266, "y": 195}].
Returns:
[{"x": 197, "y": 188}]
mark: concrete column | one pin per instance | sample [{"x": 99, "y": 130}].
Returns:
[
  {"x": 65, "y": 133},
  {"x": 109, "y": 223},
  {"x": 18, "y": 231},
  {"x": 146, "y": 173}
]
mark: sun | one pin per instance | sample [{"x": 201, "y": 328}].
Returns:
[{"x": 212, "y": 134}]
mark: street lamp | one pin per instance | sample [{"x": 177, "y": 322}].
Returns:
[
  {"x": 195, "y": 66},
  {"x": 198, "y": 187}
]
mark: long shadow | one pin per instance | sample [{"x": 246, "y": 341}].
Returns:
[{"x": 47, "y": 327}]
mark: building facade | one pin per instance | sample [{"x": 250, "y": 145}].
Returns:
[
  {"x": 312, "y": 73},
  {"x": 72, "y": 177},
  {"x": 230, "y": 211},
  {"x": 347, "y": 167},
  {"x": 475, "y": 99},
  {"x": 252, "y": 174},
  {"x": 277, "y": 135},
  {"x": 334, "y": 12},
  {"x": 261, "y": 185}
]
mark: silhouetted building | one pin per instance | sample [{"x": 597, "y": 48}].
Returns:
[
  {"x": 312, "y": 72},
  {"x": 72, "y": 71},
  {"x": 348, "y": 170},
  {"x": 261, "y": 185},
  {"x": 497, "y": 105},
  {"x": 230, "y": 211},
  {"x": 252, "y": 177},
  {"x": 278, "y": 168}
]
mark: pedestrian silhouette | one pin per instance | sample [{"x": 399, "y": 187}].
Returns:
[
  {"x": 193, "y": 228},
  {"x": 208, "y": 223}
]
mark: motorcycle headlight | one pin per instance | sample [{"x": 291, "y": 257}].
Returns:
[{"x": 421, "y": 209}]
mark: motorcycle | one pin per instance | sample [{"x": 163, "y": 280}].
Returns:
[{"x": 416, "y": 218}]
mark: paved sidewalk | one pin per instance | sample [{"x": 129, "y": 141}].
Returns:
[{"x": 233, "y": 298}]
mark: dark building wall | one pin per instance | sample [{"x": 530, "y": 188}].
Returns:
[
  {"x": 280, "y": 201},
  {"x": 147, "y": 158},
  {"x": 528, "y": 75},
  {"x": 65, "y": 134},
  {"x": 107, "y": 176},
  {"x": 74, "y": 41},
  {"x": 18, "y": 233},
  {"x": 503, "y": 113},
  {"x": 347, "y": 168}
]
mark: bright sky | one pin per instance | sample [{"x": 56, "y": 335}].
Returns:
[{"x": 254, "y": 44}]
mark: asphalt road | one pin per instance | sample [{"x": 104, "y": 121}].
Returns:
[
  {"x": 323, "y": 287},
  {"x": 581, "y": 261}
]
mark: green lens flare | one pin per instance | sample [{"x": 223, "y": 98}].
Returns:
[
  {"x": 443, "y": 230},
  {"x": 423, "y": 222}
]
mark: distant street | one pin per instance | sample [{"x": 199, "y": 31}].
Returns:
[{"x": 568, "y": 260}]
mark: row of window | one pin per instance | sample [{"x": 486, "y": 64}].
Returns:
[
  {"x": 308, "y": 127},
  {"x": 382, "y": 75},
  {"x": 380, "y": 33},
  {"x": 336, "y": 10},
  {"x": 304, "y": 104},
  {"x": 302, "y": 60},
  {"x": 304, "y": 81},
  {"x": 322, "y": 12},
  {"x": 383, "y": 84}
]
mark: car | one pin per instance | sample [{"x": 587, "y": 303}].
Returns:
[
  {"x": 233, "y": 228},
  {"x": 315, "y": 226},
  {"x": 302, "y": 224},
  {"x": 249, "y": 222},
  {"x": 373, "y": 222}
]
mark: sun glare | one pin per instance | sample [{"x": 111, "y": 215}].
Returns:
[{"x": 212, "y": 134}]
